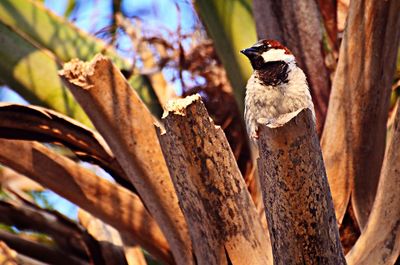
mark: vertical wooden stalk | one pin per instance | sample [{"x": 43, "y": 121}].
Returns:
[
  {"x": 222, "y": 218},
  {"x": 127, "y": 126},
  {"x": 353, "y": 141},
  {"x": 379, "y": 243},
  {"x": 297, "y": 199}
]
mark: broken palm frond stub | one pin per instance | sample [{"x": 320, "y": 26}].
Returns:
[
  {"x": 298, "y": 204},
  {"x": 109, "y": 202},
  {"x": 221, "y": 216},
  {"x": 37, "y": 123},
  {"x": 126, "y": 124},
  {"x": 359, "y": 101},
  {"x": 379, "y": 243}
]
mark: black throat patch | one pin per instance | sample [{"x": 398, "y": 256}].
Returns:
[{"x": 273, "y": 73}]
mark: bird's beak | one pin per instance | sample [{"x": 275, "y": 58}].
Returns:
[{"x": 250, "y": 52}]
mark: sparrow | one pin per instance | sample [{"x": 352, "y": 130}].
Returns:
[{"x": 277, "y": 86}]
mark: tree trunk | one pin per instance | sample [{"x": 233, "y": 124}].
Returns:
[
  {"x": 222, "y": 218},
  {"x": 297, "y": 199},
  {"x": 353, "y": 141}
]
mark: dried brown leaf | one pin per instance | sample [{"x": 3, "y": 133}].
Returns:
[{"x": 37, "y": 123}]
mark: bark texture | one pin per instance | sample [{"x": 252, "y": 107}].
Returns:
[
  {"x": 379, "y": 243},
  {"x": 297, "y": 199},
  {"x": 297, "y": 24},
  {"x": 222, "y": 218},
  {"x": 127, "y": 125},
  {"x": 353, "y": 141},
  {"x": 105, "y": 200}
]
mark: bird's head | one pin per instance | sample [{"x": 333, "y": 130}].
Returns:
[{"x": 266, "y": 51}]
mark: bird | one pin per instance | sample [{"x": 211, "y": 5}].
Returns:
[{"x": 276, "y": 88}]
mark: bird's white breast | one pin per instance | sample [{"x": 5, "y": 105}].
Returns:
[{"x": 266, "y": 103}]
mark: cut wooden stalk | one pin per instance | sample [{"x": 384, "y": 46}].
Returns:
[
  {"x": 353, "y": 141},
  {"x": 222, "y": 218},
  {"x": 298, "y": 204},
  {"x": 379, "y": 243},
  {"x": 105, "y": 200},
  {"x": 127, "y": 126}
]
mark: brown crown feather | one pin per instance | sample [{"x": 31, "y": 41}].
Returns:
[{"x": 274, "y": 44}]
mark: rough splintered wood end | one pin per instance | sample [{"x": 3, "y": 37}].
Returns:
[
  {"x": 160, "y": 129},
  {"x": 178, "y": 106},
  {"x": 77, "y": 71},
  {"x": 281, "y": 120}
]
